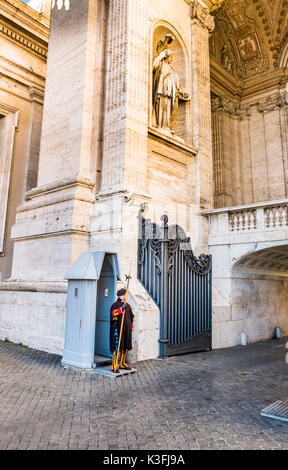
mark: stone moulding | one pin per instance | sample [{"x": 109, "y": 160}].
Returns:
[
  {"x": 25, "y": 42},
  {"x": 57, "y": 287},
  {"x": 36, "y": 197},
  {"x": 60, "y": 184},
  {"x": 172, "y": 142},
  {"x": 31, "y": 205},
  {"x": 257, "y": 205},
  {"x": 37, "y": 94}
]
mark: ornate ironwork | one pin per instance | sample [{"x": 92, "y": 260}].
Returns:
[{"x": 180, "y": 284}]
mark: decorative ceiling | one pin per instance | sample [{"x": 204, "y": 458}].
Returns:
[
  {"x": 270, "y": 259},
  {"x": 251, "y": 37}
]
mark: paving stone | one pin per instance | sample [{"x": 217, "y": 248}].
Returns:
[{"x": 206, "y": 400}]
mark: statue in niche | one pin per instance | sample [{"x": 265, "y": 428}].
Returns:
[
  {"x": 224, "y": 57},
  {"x": 166, "y": 88}
]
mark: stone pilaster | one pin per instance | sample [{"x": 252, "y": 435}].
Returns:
[
  {"x": 8, "y": 124},
  {"x": 284, "y": 133},
  {"x": 202, "y": 24},
  {"x": 218, "y": 151},
  {"x": 126, "y": 103},
  {"x": 37, "y": 98},
  {"x": 125, "y": 124},
  {"x": 226, "y": 118}
]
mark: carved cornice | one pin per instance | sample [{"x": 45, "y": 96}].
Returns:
[{"x": 23, "y": 41}]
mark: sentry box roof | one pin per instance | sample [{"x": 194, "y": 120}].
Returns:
[{"x": 89, "y": 266}]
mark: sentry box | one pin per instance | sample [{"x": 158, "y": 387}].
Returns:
[{"x": 91, "y": 292}]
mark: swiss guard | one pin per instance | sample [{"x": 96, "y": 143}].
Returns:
[{"x": 118, "y": 309}]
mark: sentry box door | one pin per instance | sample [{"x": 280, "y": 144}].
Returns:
[
  {"x": 106, "y": 295},
  {"x": 91, "y": 292}
]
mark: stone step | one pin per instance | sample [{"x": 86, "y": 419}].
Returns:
[{"x": 278, "y": 410}]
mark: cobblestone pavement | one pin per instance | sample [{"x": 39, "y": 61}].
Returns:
[{"x": 207, "y": 400}]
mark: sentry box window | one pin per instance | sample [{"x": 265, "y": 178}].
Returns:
[
  {"x": 106, "y": 292},
  {"x": 76, "y": 292}
]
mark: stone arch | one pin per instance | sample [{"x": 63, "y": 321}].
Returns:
[
  {"x": 180, "y": 123},
  {"x": 267, "y": 258},
  {"x": 283, "y": 59}
]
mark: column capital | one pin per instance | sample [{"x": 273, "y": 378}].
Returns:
[
  {"x": 219, "y": 103},
  {"x": 211, "y": 4},
  {"x": 201, "y": 15}
]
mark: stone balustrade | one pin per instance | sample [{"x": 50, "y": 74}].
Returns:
[
  {"x": 243, "y": 220},
  {"x": 252, "y": 218},
  {"x": 276, "y": 216},
  {"x": 269, "y": 216}
]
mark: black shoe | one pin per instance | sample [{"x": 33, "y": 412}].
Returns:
[{"x": 125, "y": 368}]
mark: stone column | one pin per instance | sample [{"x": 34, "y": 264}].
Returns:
[
  {"x": 52, "y": 226},
  {"x": 202, "y": 24}
]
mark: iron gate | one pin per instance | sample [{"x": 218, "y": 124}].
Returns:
[{"x": 179, "y": 283}]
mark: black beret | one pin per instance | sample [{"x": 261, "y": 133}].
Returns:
[{"x": 121, "y": 292}]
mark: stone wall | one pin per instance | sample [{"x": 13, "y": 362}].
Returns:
[
  {"x": 250, "y": 262},
  {"x": 23, "y": 45},
  {"x": 250, "y": 149},
  {"x": 34, "y": 318},
  {"x": 250, "y": 304}
]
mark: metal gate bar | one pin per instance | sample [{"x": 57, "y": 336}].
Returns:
[{"x": 179, "y": 283}]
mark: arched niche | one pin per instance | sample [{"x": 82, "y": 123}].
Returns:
[{"x": 179, "y": 124}]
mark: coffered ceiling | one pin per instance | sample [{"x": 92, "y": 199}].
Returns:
[{"x": 251, "y": 37}]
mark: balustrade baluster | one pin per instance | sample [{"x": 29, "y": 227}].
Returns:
[
  {"x": 243, "y": 214},
  {"x": 267, "y": 217},
  {"x": 274, "y": 216},
  {"x": 238, "y": 220},
  {"x": 232, "y": 221},
  {"x": 280, "y": 218}
]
